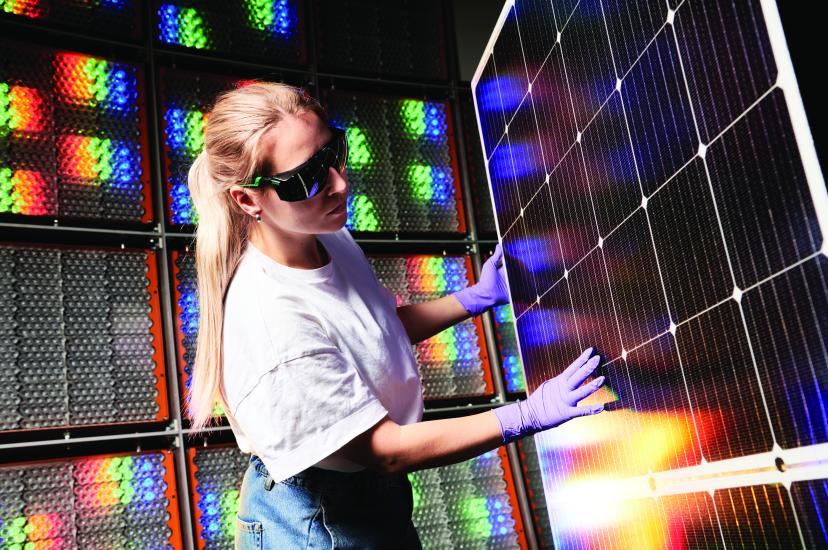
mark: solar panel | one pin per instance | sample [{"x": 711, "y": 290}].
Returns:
[{"x": 658, "y": 195}]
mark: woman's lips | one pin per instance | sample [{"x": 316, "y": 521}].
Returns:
[{"x": 338, "y": 209}]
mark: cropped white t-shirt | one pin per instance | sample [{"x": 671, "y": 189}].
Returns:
[{"x": 313, "y": 357}]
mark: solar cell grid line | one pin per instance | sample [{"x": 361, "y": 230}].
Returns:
[{"x": 714, "y": 264}]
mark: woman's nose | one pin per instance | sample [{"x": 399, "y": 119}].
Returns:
[{"x": 338, "y": 182}]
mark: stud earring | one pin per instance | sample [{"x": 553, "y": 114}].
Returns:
[{"x": 258, "y": 218}]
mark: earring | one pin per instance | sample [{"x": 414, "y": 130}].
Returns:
[{"x": 258, "y": 218}]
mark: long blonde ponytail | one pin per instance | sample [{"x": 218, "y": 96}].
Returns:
[{"x": 230, "y": 155}]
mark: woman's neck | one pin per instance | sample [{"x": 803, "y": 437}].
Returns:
[{"x": 296, "y": 250}]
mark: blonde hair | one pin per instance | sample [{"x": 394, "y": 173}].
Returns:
[{"x": 230, "y": 156}]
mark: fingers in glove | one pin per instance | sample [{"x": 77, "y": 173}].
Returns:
[
  {"x": 587, "y": 389},
  {"x": 588, "y": 410},
  {"x": 583, "y": 373},
  {"x": 497, "y": 256},
  {"x": 578, "y": 362}
]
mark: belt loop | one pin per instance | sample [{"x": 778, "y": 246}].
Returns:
[{"x": 269, "y": 483}]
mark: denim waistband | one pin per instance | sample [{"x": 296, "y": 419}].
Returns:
[{"x": 314, "y": 478}]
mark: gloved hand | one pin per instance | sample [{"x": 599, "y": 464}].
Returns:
[
  {"x": 490, "y": 290},
  {"x": 553, "y": 402}
]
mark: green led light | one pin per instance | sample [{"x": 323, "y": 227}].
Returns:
[
  {"x": 101, "y": 149},
  {"x": 364, "y": 214},
  {"x": 359, "y": 154},
  {"x": 229, "y": 506},
  {"x": 420, "y": 181},
  {"x": 477, "y": 517},
  {"x": 415, "y": 490},
  {"x": 192, "y": 29},
  {"x": 7, "y": 119},
  {"x": 9, "y": 198},
  {"x": 413, "y": 115},
  {"x": 97, "y": 72},
  {"x": 195, "y": 123},
  {"x": 260, "y": 14}
]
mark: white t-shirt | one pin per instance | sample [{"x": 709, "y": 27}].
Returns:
[{"x": 313, "y": 357}]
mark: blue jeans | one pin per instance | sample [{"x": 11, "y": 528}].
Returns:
[{"x": 320, "y": 508}]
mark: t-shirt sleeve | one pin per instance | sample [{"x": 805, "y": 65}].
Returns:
[{"x": 306, "y": 408}]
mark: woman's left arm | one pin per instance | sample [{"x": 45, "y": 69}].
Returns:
[{"x": 424, "y": 320}]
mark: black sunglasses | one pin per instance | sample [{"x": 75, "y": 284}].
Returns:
[{"x": 309, "y": 178}]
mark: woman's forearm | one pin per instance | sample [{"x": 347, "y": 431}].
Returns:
[
  {"x": 448, "y": 441},
  {"x": 424, "y": 320},
  {"x": 390, "y": 447}
]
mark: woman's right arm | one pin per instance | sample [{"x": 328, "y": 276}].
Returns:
[{"x": 390, "y": 447}]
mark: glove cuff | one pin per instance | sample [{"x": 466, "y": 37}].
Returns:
[
  {"x": 513, "y": 422},
  {"x": 470, "y": 301}
]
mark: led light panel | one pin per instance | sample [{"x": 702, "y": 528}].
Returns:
[
  {"x": 73, "y": 139},
  {"x": 504, "y": 322},
  {"x": 271, "y": 29},
  {"x": 185, "y": 281},
  {"x": 82, "y": 338},
  {"x": 116, "y": 18},
  {"x": 468, "y": 505},
  {"x": 452, "y": 363},
  {"x": 103, "y": 501},
  {"x": 216, "y": 475},
  {"x": 475, "y": 165},
  {"x": 402, "y": 166},
  {"x": 658, "y": 197},
  {"x": 405, "y": 38},
  {"x": 186, "y": 100}
]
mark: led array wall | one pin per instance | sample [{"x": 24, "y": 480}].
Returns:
[
  {"x": 116, "y": 18},
  {"x": 104, "y": 501},
  {"x": 476, "y": 168},
  {"x": 215, "y": 481},
  {"x": 267, "y": 29},
  {"x": 402, "y": 166},
  {"x": 404, "y": 38},
  {"x": 471, "y": 504},
  {"x": 453, "y": 363},
  {"x": 73, "y": 140},
  {"x": 82, "y": 337}
]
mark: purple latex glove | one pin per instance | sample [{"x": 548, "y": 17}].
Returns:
[
  {"x": 553, "y": 402},
  {"x": 490, "y": 290}
]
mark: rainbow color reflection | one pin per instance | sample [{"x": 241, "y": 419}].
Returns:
[
  {"x": 183, "y": 26},
  {"x": 85, "y": 80},
  {"x": 276, "y": 17},
  {"x": 33, "y": 9}
]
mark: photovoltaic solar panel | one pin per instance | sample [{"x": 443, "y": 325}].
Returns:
[{"x": 658, "y": 195}]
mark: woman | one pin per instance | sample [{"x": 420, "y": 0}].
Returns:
[{"x": 307, "y": 352}]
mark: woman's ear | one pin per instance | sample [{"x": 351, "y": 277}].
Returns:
[{"x": 245, "y": 200}]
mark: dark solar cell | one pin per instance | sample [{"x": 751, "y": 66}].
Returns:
[
  {"x": 760, "y": 188},
  {"x": 574, "y": 215},
  {"x": 632, "y": 25},
  {"x": 689, "y": 244},
  {"x": 586, "y": 53},
  {"x": 489, "y": 107},
  {"x": 635, "y": 283},
  {"x": 537, "y": 32},
  {"x": 610, "y": 166},
  {"x": 787, "y": 320},
  {"x": 553, "y": 107},
  {"x": 721, "y": 380},
  {"x": 661, "y": 122},
  {"x": 658, "y": 392},
  {"x": 811, "y": 503},
  {"x": 727, "y": 59},
  {"x": 759, "y": 516}
]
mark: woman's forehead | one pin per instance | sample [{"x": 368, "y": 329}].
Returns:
[{"x": 292, "y": 141}]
